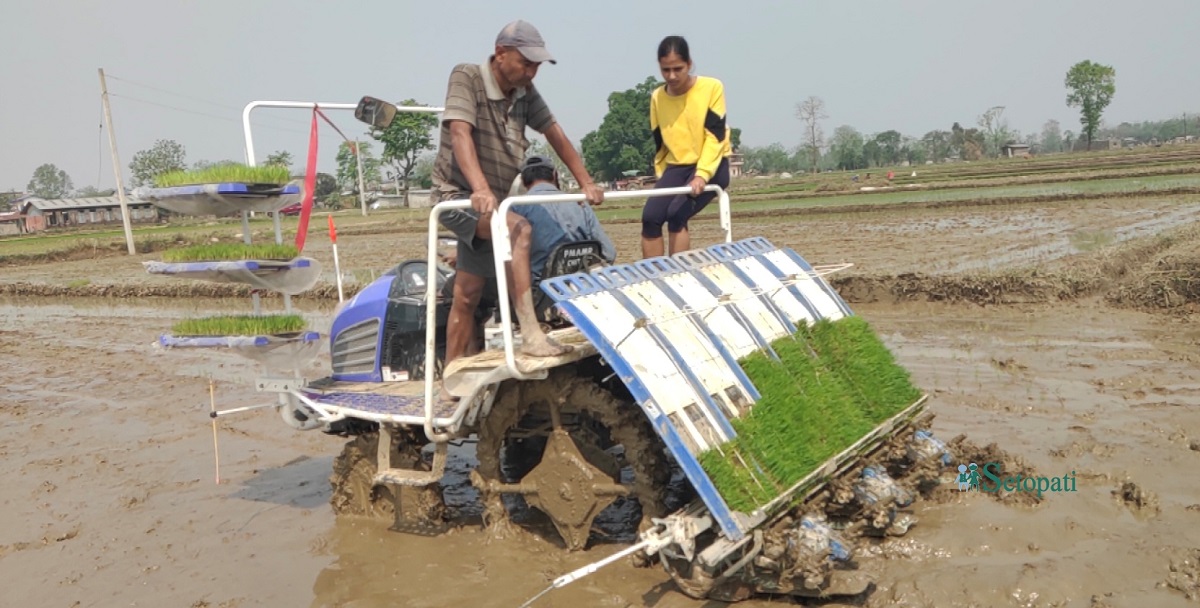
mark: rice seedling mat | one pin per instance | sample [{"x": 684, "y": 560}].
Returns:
[
  {"x": 261, "y": 175},
  {"x": 278, "y": 352},
  {"x": 216, "y": 252},
  {"x": 221, "y": 199},
  {"x": 683, "y": 333},
  {"x": 290, "y": 277}
]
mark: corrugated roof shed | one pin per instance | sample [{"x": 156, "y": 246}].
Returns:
[{"x": 74, "y": 203}]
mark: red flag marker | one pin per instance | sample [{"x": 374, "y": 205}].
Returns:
[{"x": 337, "y": 269}]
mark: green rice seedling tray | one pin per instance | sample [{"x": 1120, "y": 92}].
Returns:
[
  {"x": 833, "y": 384},
  {"x": 266, "y": 175},
  {"x": 213, "y": 252},
  {"x": 241, "y": 325}
]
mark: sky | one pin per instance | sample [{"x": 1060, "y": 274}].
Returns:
[{"x": 183, "y": 70}]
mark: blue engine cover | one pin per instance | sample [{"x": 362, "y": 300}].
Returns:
[{"x": 356, "y": 337}]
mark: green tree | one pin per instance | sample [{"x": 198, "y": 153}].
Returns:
[
  {"x": 326, "y": 186},
  {"x": 623, "y": 142},
  {"x": 208, "y": 164},
  {"x": 93, "y": 192},
  {"x": 890, "y": 147},
  {"x": 995, "y": 130},
  {"x": 937, "y": 145},
  {"x": 811, "y": 112},
  {"x": 347, "y": 171},
  {"x": 872, "y": 153},
  {"x": 409, "y": 135},
  {"x": 423, "y": 173},
  {"x": 1091, "y": 87},
  {"x": 735, "y": 139},
  {"x": 165, "y": 156},
  {"x": 539, "y": 147},
  {"x": 1052, "y": 137},
  {"x": 912, "y": 151},
  {"x": 968, "y": 143},
  {"x": 769, "y": 159},
  {"x": 846, "y": 148},
  {"x": 49, "y": 182},
  {"x": 283, "y": 158}
]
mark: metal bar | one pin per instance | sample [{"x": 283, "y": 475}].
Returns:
[
  {"x": 238, "y": 410},
  {"x": 250, "y": 107},
  {"x": 503, "y": 249}
]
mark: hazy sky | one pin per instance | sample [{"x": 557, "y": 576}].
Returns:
[{"x": 911, "y": 66}]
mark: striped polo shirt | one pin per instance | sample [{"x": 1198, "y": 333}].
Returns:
[{"x": 499, "y": 125}]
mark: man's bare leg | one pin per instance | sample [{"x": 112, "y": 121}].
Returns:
[
  {"x": 534, "y": 342},
  {"x": 460, "y": 324}
]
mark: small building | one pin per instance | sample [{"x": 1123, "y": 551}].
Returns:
[
  {"x": 11, "y": 223},
  {"x": 736, "y": 162},
  {"x": 45, "y": 214},
  {"x": 1100, "y": 143},
  {"x": 1014, "y": 150}
]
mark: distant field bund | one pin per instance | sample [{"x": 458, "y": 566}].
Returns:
[
  {"x": 1150, "y": 186},
  {"x": 1151, "y": 172}
]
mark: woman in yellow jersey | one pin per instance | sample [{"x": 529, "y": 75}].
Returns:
[{"x": 687, "y": 117}]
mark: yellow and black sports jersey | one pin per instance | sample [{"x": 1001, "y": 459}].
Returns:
[{"x": 690, "y": 129}]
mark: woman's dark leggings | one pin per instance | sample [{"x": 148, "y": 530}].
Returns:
[{"x": 675, "y": 211}]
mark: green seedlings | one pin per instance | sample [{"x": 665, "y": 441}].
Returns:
[
  {"x": 216, "y": 252},
  {"x": 240, "y": 325},
  {"x": 220, "y": 174},
  {"x": 834, "y": 383}
]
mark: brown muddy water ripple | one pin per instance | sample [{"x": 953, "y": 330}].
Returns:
[{"x": 110, "y": 499}]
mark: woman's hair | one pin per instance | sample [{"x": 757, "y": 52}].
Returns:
[{"x": 674, "y": 44}]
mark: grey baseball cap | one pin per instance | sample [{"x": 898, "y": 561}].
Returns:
[
  {"x": 537, "y": 161},
  {"x": 521, "y": 35}
]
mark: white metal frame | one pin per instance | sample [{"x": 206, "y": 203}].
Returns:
[
  {"x": 321, "y": 105},
  {"x": 250, "y": 160},
  {"x": 503, "y": 253}
]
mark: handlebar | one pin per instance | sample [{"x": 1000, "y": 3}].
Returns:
[{"x": 503, "y": 253}]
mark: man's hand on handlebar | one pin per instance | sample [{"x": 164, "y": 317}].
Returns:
[
  {"x": 593, "y": 194},
  {"x": 483, "y": 201}
]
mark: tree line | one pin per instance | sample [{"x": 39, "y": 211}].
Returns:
[
  {"x": 622, "y": 145},
  {"x": 404, "y": 142}
]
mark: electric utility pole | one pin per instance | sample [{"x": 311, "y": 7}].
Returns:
[{"x": 112, "y": 144}]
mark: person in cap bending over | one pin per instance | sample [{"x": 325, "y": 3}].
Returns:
[
  {"x": 556, "y": 223},
  {"x": 482, "y": 143}
]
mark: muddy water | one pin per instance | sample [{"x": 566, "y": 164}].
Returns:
[{"x": 110, "y": 497}]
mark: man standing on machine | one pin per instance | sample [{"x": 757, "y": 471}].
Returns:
[{"x": 482, "y": 144}]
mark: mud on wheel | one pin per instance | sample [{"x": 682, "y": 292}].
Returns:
[
  {"x": 355, "y": 494},
  {"x": 553, "y": 442}
]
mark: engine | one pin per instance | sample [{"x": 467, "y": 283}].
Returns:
[{"x": 379, "y": 335}]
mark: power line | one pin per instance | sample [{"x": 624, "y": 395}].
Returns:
[
  {"x": 199, "y": 99},
  {"x": 198, "y": 113}
]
